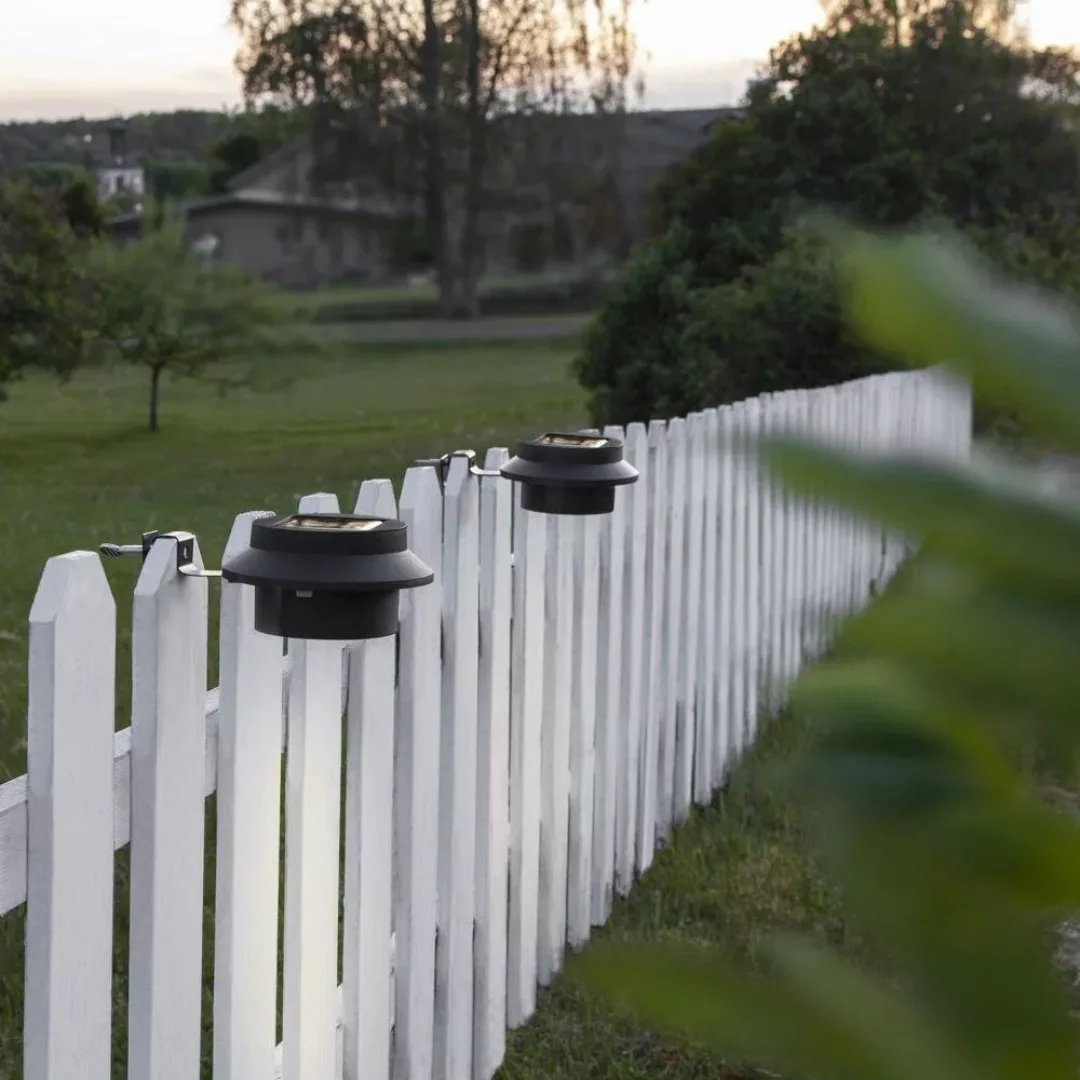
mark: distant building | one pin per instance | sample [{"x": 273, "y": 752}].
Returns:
[
  {"x": 118, "y": 176},
  {"x": 570, "y": 190}
]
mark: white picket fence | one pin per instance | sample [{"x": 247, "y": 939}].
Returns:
[{"x": 553, "y": 706}]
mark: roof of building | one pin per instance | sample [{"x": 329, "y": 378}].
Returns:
[
  {"x": 681, "y": 129},
  {"x": 257, "y": 200}
]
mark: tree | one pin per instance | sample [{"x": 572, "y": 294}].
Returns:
[
  {"x": 48, "y": 301},
  {"x": 82, "y": 209},
  {"x": 167, "y": 309},
  {"x": 950, "y": 856},
  {"x": 949, "y": 122},
  {"x": 412, "y": 96}
]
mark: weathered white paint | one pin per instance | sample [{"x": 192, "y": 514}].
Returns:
[
  {"x": 248, "y": 832},
  {"x": 69, "y": 919},
  {"x": 168, "y": 744},
  {"x": 493, "y": 769}
]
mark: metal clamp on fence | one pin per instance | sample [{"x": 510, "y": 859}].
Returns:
[
  {"x": 185, "y": 552},
  {"x": 442, "y": 464}
]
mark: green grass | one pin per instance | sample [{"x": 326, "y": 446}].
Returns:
[
  {"x": 389, "y": 294},
  {"x": 78, "y": 467}
]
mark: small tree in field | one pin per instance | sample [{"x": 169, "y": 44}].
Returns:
[{"x": 168, "y": 309}]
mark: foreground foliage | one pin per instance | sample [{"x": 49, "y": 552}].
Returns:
[
  {"x": 894, "y": 112},
  {"x": 943, "y": 848}
]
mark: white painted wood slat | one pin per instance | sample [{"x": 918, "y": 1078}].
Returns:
[
  {"x": 674, "y": 626},
  {"x": 655, "y": 684},
  {"x": 610, "y": 700},
  {"x": 248, "y": 832},
  {"x": 691, "y": 617},
  {"x": 635, "y": 678},
  {"x": 705, "y": 737},
  {"x": 493, "y": 768},
  {"x": 725, "y": 598},
  {"x": 312, "y": 834},
  {"x": 583, "y": 729},
  {"x": 416, "y": 783},
  {"x": 458, "y": 775},
  {"x": 168, "y": 743},
  {"x": 67, "y": 1019},
  {"x": 526, "y": 744},
  {"x": 368, "y": 905},
  {"x": 555, "y": 752}
]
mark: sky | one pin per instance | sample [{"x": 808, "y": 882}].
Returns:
[{"x": 62, "y": 58}]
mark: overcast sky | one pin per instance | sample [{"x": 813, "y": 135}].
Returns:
[{"x": 75, "y": 58}]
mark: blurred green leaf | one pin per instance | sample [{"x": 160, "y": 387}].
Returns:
[
  {"x": 816, "y": 1015},
  {"x": 983, "y": 519},
  {"x": 928, "y": 300}
]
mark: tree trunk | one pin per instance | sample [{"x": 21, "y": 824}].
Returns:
[
  {"x": 155, "y": 394},
  {"x": 434, "y": 164},
  {"x": 469, "y": 299}
]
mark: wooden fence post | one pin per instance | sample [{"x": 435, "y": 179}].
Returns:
[
  {"x": 416, "y": 784},
  {"x": 493, "y": 768},
  {"x": 248, "y": 832},
  {"x": 168, "y": 748},
  {"x": 67, "y": 1018}
]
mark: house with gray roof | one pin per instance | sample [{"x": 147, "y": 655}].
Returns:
[{"x": 581, "y": 179}]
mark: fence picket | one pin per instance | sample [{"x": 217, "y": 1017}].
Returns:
[
  {"x": 67, "y": 1019},
  {"x": 654, "y": 688},
  {"x": 375, "y": 498},
  {"x": 753, "y": 563},
  {"x": 674, "y": 626},
  {"x": 416, "y": 783},
  {"x": 526, "y": 728},
  {"x": 367, "y": 961},
  {"x": 740, "y": 592},
  {"x": 248, "y": 832},
  {"x": 312, "y": 833},
  {"x": 583, "y": 730},
  {"x": 705, "y": 755},
  {"x": 458, "y": 775},
  {"x": 610, "y": 701},
  {"x": 555, "y": 752},
  {"x": 724, "y": 597},
  {"x": 691, "y": 619},
  {"x": 635, "y": 680},
  {"x": 493, "y": 768},
  {"x": 168, "y": 741}
]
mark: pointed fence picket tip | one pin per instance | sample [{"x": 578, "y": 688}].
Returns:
[
  {"x": 74, "y": 578},
  {"x": 240, "y": 533},
  {"x": 376, "y": 499}
]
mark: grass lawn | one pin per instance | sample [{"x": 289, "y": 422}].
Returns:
[
  {"x": 389, "y": 294},
  {"x": 78, "y": 467}
]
